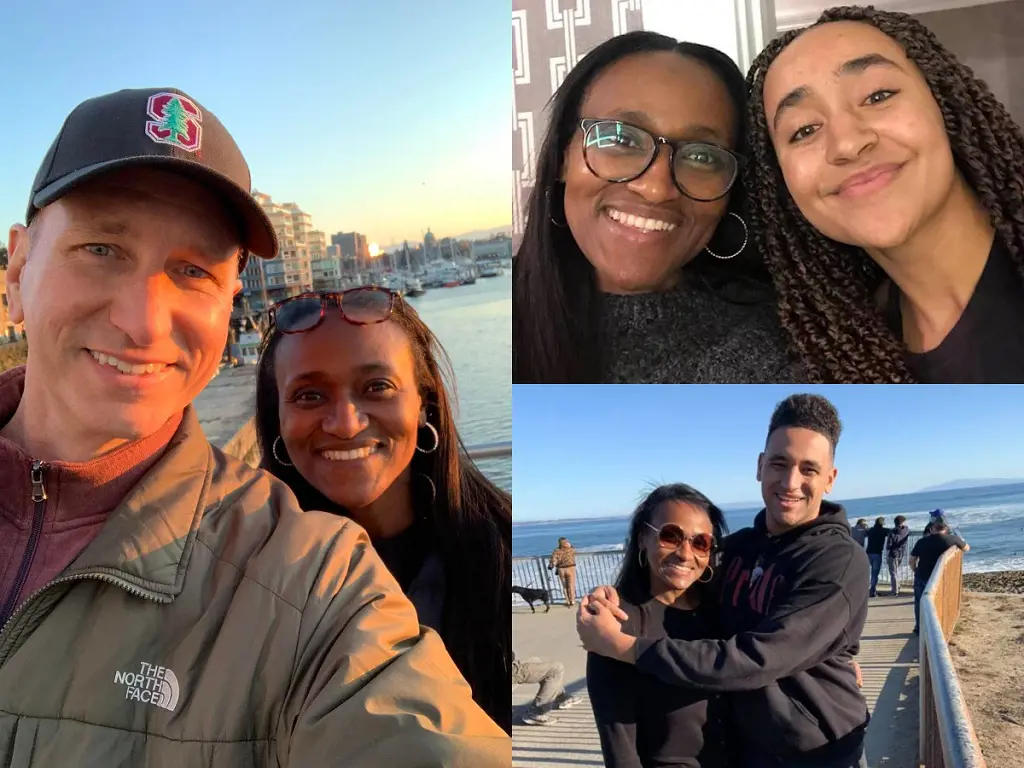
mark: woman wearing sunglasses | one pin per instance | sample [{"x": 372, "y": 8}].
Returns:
[
  {"x": 353, "y": 413},
  {"x": 634, "y": 266},
  {"x": 663, "y": 585}
]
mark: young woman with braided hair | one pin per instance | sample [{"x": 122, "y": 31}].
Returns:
[{"x": 887, "y": 199}]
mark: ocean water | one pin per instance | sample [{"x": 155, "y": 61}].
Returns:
[
  {"x": 474, "y": 324},
  {"x": 991, "y": 520}
]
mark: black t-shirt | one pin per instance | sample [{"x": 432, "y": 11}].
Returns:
[
  {"x": 642, "y": 718},
  {"x": 929, "y": 549},
  {"x": 986, "y": 346}
]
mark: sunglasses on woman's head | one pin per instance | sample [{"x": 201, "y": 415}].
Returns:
[
  {"x": 359, "y": 306},
  {"x": 671, "y": 536}
]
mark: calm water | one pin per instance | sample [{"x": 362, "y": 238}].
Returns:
[
  {"x": 474, "y": 323},
  {"x": 990, "y": 519}
]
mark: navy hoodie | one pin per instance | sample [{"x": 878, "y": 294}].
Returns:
[{"x": 793, "y": 607}]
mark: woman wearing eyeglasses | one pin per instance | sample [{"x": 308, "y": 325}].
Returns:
[
  {"x": 353, "y": 413},
  {"x": 663, "y": 585},
  {"x": 634, "y": 265}
]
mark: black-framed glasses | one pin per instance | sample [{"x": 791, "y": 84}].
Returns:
[
  {"x": 359, "y": 306},
  {"x": 671, "y": 536},
  {"x": 619, "y": 152}
]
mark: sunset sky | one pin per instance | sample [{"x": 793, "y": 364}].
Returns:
[{"x": 382, "y": 116}]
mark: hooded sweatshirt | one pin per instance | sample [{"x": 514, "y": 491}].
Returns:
[{"x": 793, "y": 607}]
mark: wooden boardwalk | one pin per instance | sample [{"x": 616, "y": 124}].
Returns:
[{"x": 888, "y": 657}]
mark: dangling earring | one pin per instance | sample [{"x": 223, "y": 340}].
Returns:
[
  {"x": 433, "y": 490},
  {"x": 273, "y": 450},
  {"x": 551, "y": 216},
  {"x": 708, "y": 570},
  {"x": 640, "y": 558},
  {"x": 745, "y": 235},
  {"x": 437, "y": 439}
]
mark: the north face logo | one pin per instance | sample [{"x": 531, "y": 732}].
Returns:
[
  {"x": 176, "y": 120},
  {"x": 150, "y": 685}
]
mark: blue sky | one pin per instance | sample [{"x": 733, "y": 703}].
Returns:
[
  {"x": 584, "y": 451},
  {"x": 384, "y": 116}
]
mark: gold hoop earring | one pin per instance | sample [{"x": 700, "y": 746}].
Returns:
[
  {"x": 709, "y": 570},
  {"x": 640, "y": 558}
]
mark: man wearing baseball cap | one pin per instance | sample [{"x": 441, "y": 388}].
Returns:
[{"x": 160, "y": 602}]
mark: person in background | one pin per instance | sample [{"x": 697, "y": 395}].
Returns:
[
  {"x": 563, "y": 561},
  {"x": 353, "y": 412},
  {"x": 634, "y": 266},
  {"x": 896, "y": 546},
  {"x": 666, "y": 589},
  {"x": 860, "y": 532},
  {"x": 164, "y": 603},
  {"x": 876, "y": 538},
  {"x": 925, "y": 556},
  {"x": 793, "y": 600},
  {"x": 551, "y": 693}
]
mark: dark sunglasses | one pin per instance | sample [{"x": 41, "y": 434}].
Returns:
[
  {"x": 359, "y": 306},
  {"x": 671, "y": 536}
]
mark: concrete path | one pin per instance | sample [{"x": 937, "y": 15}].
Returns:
[
  {"x": 888, "y": 657},
  {"x": 227, "y": 403}
]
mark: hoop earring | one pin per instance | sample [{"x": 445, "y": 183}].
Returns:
[
  {"x": 746, "y": 234},
  {"x": 559, "y": 224},
  {"x": 710, "y": 570},
  {"x": 433, "y": 489},
  {"x": 273, "y": 450},
  {"x": 640, "y": 558},
  {"x": 437, "y": 439}
]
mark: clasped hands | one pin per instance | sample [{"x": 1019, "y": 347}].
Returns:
[{"x": 599, "y": 625}]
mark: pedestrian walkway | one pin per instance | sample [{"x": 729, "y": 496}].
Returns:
[{"x": 888, "y": 658}]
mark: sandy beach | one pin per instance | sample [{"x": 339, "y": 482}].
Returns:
[{"x": 988, "y": 648}]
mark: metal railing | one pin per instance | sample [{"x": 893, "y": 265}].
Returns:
[
  {"x": 947, "y": 738},
  {"x": 594, "y": 569},
  {"x": 489, "y": 450}
]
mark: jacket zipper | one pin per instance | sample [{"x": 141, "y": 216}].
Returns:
[
  {"x": 39, "y": 498},
  {"x": 97, "y": 575}
]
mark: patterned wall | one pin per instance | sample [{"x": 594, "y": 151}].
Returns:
[{"x": 548, "y": 38}]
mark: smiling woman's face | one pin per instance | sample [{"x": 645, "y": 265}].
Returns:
[
  {"x": 858, "y": 135},
  {"x": 668, "y": 95},
  {"x": 350, "y": 407},
  {"x": 675, "y": 570}
]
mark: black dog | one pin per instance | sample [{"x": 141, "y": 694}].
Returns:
[{"x": 532, "y": 596}]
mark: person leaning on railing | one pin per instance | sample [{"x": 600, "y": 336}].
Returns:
[
  {"x": 163, "y": 603},
  {"x": 925, "y": 556},
  {"x": 353, "y": 413}
]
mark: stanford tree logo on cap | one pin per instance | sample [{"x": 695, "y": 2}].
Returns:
[{"x": 176, "y": 121}]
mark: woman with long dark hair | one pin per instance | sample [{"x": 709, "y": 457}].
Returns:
[
  {"x": 353, "y": 412},
  {"x": 667, "y": 567},
  {"x": 634, "y": 265},
  {"x": 888, "y": 204}
]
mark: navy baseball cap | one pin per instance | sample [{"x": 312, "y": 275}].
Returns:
[{"x": 159, "y": 127}]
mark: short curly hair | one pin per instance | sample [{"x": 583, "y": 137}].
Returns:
[{"x": 812, "y": 412}]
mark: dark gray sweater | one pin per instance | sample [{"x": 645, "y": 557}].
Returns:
[{"x": 692, "y": 335}]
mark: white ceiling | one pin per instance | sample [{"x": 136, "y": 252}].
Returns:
[{"x": 799, "y": 13}]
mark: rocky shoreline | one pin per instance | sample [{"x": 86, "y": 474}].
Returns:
[{"x": 995, "y": 581}]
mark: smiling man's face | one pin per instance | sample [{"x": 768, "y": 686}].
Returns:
[
  {"x": 125, "y": 287},
  {"x": 795, "y": 472}
]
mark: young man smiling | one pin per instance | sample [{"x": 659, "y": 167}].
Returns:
[
  {"x": 792, "y": 600},
  {"x": 161, "y": 602}
]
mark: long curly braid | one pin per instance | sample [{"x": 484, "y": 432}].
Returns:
[{"x": 826, "y": 290}]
